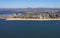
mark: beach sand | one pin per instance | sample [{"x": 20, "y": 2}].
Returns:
[{"x": 29, "y": 19}]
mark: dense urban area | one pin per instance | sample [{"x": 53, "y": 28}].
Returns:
[{"x": 32, "y": 13}]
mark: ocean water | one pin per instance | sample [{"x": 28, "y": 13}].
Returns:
[{"x": 29, "y": 29}]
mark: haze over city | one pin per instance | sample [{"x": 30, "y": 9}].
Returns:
[{"x": 29, "y": 3}]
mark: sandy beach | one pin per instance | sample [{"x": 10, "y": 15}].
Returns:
[{"x": 29, "y": 19}]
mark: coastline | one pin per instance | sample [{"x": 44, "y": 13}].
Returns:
[{"x": 29, "y": 19}]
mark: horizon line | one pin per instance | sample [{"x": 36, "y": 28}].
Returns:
[{"x": 28, "y": 7}]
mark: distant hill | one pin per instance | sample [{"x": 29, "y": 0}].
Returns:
[{"x": 49, "y": 10}]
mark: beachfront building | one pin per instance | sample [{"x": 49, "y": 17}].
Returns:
[{"x": 38, "y": 15}]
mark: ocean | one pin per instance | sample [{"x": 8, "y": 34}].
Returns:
[{"x": 30, "y": 29}]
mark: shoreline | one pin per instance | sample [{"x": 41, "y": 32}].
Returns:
[{"x": 29, "y": 19}]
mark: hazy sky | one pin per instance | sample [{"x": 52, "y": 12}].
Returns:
[{"x": 29, "y": 3}]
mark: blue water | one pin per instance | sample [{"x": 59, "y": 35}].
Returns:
[
  {"x": 12, "y": 12},
  {"x": 29, "y": 29}
]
